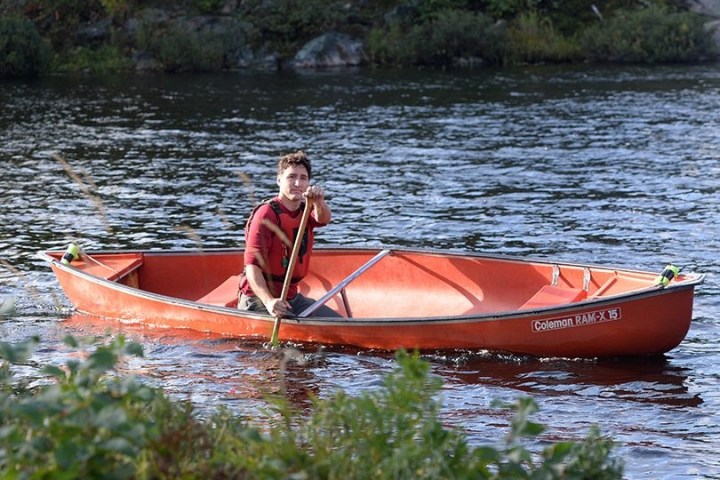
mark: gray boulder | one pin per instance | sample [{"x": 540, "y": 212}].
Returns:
[
  {"x": 711, "y": 9},
  {"x": 713, "y": 28},
  {"x": 331, "y": 50}
]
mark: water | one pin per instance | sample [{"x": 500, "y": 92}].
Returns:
[{"x": 614, "y": 166}]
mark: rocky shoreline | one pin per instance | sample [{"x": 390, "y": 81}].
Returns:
[
  {"x": 211, "y": 35},
  {"x": 327, "y": 50},
  {"x": 330, "y": 49}
]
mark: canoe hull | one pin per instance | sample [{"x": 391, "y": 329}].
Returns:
[{"x": 646, "y": 322}]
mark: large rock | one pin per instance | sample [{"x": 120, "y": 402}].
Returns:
[
  {"x": 96, "y": 32},
  {"x": 711, "y": 8},
  {"x": 713, "y": 28},
  {"x": 331, "y": 50}
]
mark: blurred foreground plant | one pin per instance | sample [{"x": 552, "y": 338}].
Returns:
[
  {"x": 89, "y": 422},
  {"x": 83, "y": 424}
]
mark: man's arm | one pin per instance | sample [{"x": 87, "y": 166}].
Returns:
[
  {"x": 320, "y": 206},
  {"x": 259, "y": 286}
]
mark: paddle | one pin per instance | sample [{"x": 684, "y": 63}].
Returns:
[{"x": 291, "y": 267}]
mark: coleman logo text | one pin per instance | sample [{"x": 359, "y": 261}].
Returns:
[{"x": 589, "y": 318}]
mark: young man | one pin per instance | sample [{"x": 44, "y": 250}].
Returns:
[{"x": 269, "y": 239}]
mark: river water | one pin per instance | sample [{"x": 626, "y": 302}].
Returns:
[{"x": 616, "y": 166}]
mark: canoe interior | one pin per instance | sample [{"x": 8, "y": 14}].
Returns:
[{"x": 404, "y": 284}]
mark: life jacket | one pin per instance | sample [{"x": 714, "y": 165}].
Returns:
[{"x": 279, "y": 251}]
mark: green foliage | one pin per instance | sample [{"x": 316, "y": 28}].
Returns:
[
  {"x": 532, "y": 39},
  {"x": 207, "y": 6},
  {"x": 397, "y": 32},
  {"x": 61, "y": 20},
  {"x": 508, "y": 9},
  {"x": 87, "y": 422},
  {"x": 394, "y": 432},
  {"x": 115, "y": 7},
  {"x": 450, "y": 37},
  {"x": 651, "y": 35},
  {"x": 90, "y": 423},
  {"x": 563, "y": 460},
  {"x": 444, "y": 32},
  {"x": 84, "y": 425},
  {"x": 285, "y": 25},
  {"x": 23, "y": 53},
  {"x": 429, "y": 9},
  {"x": 183, "y": 50},
  {"x": 103, "y": 60},
  {"x": 83, "y": 9}
]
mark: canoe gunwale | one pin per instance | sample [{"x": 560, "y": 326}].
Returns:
[
  {"x": 689, "y": 283},
  {"x": 692, "y": 277}
]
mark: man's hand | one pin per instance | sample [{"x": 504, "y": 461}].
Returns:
[
  {"x": 314, "y": 193},
  {"x": 277, "y": 307}
]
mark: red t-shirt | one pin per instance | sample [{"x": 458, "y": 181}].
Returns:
[{"x": 269, "y": 242}]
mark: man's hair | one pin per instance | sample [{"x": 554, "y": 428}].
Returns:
[{"x": 291, "y": 159}]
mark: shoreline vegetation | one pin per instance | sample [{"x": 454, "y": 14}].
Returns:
[
  {"x": 86, "y": 419},
  {"x": 45, "y": 37}
]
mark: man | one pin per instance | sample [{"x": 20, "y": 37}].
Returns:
[{"x": 269, "y": 238}]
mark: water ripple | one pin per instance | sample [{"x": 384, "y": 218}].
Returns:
[{"x": 601, "y": 165}]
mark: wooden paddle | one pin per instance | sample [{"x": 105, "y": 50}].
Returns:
[{"x": 291, "y": 266}]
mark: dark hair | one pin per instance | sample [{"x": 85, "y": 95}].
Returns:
[{"x": 297, "y": 158}]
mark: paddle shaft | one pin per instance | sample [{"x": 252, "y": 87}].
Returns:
[{"x": 291, "y": 266}]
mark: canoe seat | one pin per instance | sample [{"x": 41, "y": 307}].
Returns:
[
  {"x": 225, "y": 294},
  {"x": 549, "y": 296}
]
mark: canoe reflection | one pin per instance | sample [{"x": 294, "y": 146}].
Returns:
[
  {"x": 641, "y": 379},
  {"x": 210, "y": 370}
]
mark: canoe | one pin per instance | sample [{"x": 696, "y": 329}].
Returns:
[{"x": 398, "y": 298}]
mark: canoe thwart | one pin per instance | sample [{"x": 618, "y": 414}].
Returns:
[
  {"x": 549, "y": 296},
  {"x": 341, "y": 286}
]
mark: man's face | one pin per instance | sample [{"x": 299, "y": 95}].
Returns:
[{"x": 293, "y": 182}]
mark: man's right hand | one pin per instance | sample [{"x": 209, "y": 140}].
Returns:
[{"x": 277, "y": 307}]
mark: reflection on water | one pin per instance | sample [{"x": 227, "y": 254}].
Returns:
[
  {"x": 643, "y": 380},
  {"x": 597, "y": 165},
  {"x": 215, "y": 369}
]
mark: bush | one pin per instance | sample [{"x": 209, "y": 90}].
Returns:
[
  {"x": 22, "y": 51},
  {"x": 651, "y": 35},
  {"x": 207, "y": 6},
  {"x": 451, "y": 36},
  {"x": 83, "y": 425},
  {"x": 532, "y": 39},
  {"x": 183, "y": 50},
  {"x": 116, "y": 7},
  {"x": 102, "y": 60},
  {"x": 60, "y": 20},
  {"x": 90, "y": 423},
  {"x": 285, "y": 26}
]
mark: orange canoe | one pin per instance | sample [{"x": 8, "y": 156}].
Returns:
[{"x": 398, "y": 298}]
